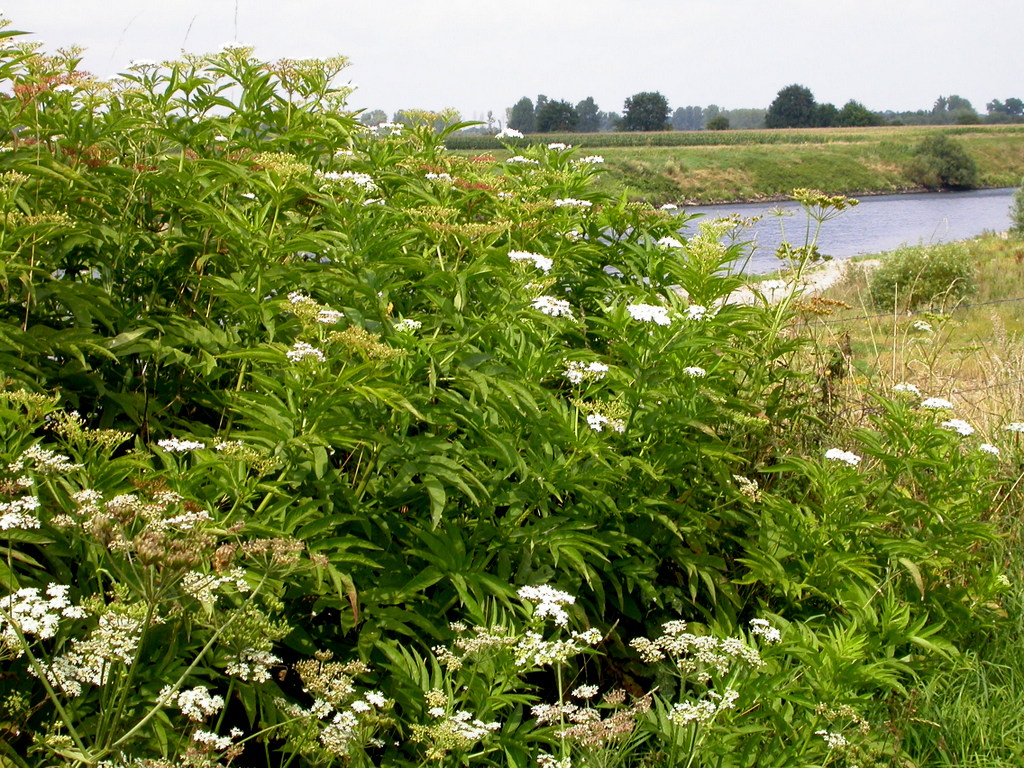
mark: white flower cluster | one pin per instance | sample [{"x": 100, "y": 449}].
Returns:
[
  {"x": 252, "y": 665},
  {"x": 559, "y": 146},
  {"x": 832, "y": 740},
  {"x": 988, "y": 448},
  {"x": 696, "y": 312},
  {"x": 669, "y": 242},
  {"x": 763, "y": 629},
  {"x": 534, "y": 650},
  {"x": 520, "y": 160},
  {"x": 696, "y": 653},
  {"x": 1016, "y": 426},
  {"x": 669, "y": 207},
  {"x": 959, "y": 426},
  {"x": 362, "y": 180},
  {"x": 585, "y": 692},
  {"x": 19, "y": 513},
  {"x": 197, "y": 704},
  {"x": 549, "y": 602},
  {"x": 28, "y": 612},
  {"x": 591, "y": 160},
  {"x": 703, "y": 711},
  {"x": 545, "y": 760},
  {"x": 578, "y": 371},
  {"x": 571, "y": 202},
  {"x": 598, "y": 421},
  {"x": 407, "y": 325},
  {"x": 439, "y": 176},
  {"x": 649, "y": 313},
  {"x": 202, "y": 586},
  {"x": 211, "y": 740},
  {"x": 694, "y": 372},
  {"x": 302, "y": 350},
  {"x": 393, "y": 129},
  {"x": 549, "y": 305},
  {"x": 508, "y": 133},
  {"x": 463, "y": 726},
  {"x": 921, "y": 325},
  {"x": 847, "y": 457},
  {"x": 936, "y": 403},
  {"x": 542, "y": 263},
  {"x": 908, "y": 388},
  {"x": 328, "y": 316},
  {"x": 174, "y": 445},
  {"x": 340, "y": 729},
  {"x": 91, "y": 660},
  {"x": 44, "y": 462}
]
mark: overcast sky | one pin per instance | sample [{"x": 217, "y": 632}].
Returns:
[{"x": 480, "y": 55}]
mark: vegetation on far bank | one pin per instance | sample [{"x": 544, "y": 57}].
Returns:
[{"x": 728, "y": 166}]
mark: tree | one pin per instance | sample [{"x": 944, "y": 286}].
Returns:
[
  {"x": 825, "y": 115},
  {"x": 556, "y": 116},
  {"x": 953, "y": 109},
  {"x": 688, "y": 119},
  {"x": 793, "y": 108},
  {"x": 720, "y": 123},
  {"x": 587, "y": 116},
  {"x": 609, "y": 121},
  {"x": 941, "y": 163},
  {"x": 646, "y": 111},
  {"x": 373, "y": 117},
  {"x": 854, "y": 115},
  {"x": 1017, "y": 212},
  {"x": 521, "y": 116}
]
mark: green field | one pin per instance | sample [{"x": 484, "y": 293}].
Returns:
[{"x": 721, "y": 166}]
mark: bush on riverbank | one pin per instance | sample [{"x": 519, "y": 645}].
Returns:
[
  {"x": 915, "y": 277},
  {"x": 326, "y": 446}
]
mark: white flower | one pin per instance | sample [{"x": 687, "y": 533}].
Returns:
[
  {"x": 696, "y": 312},
  {"x": 520, "y": 160},
  {"x": 439, "y": 176},
  {"x": 210, "y": 739},
  {"x": 669, "y": 242},
  {"x": 549, "y": 602},
  {"x": 329, "y": 316},
  {"x": 669, "y": 207},
  {"x": 765, "y": 631},
  {"x": 989, "y": 448},
  {"x": 936, "y": 402},
  {"x": 549, "y": 305},
  {"x": 694, "y": 372},
  {"x": 585, "y": 692},
  {"x": 301, "y": 350},
  {"x": 596, "y": 421},
  {"x": 591, "y": 160},
  {"x": 833, "y": 740},
  {"x": 508, "y": 133},
  {"x": 921, "y": 325},
  {"x": 1017, "y": 426},
  {"x": 577, "y": 371},
  {"x": 540, "y": 262},
  {"x": 649, "y": 313},
  {"x": 837, "y": 454},
  {"x": 571, "y": 202},
  {"x": 557, "y": 145},
  {"x": 174, "y": 445},
  {"x": 197, "y": 704},
  {"x": 960, "y": 426},
  {"x": 904, "y": 387},
  {"x": 407, "y": 325}
]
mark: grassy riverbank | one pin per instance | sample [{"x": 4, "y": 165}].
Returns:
[{"x": 758, "y": 165}]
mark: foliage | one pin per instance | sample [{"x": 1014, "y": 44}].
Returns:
[
  {"x": 913, "y": 277},
  {"x": 1017, "y": 212},
  {"x": 688, "y": 119},
  {"x": 588, "y": 116},
  {"x": 522, "y": 117},
  {"x": 556, "y": 116},
  {"x": 942, "y": 163},
  {"x": 321, "y": 443},
  {"x": 793, "y": 107},
  {"x": 647, "y": 111},
  {"x": 720, "y": 123}
]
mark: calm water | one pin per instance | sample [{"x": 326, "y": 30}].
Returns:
[{"x": 878, "y": 224}]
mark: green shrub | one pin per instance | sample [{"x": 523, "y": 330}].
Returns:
[
  {"x": 1017, "y": 212},
  {"x": 913, "y": 277},
  {"x": 942, "y": 163}
]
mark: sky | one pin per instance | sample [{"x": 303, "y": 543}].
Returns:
[{"x": 484, "y": 55}]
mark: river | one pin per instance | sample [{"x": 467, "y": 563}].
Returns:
[{"x": 880, "y": 223}]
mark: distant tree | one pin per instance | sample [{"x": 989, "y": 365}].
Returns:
[
  {"x": 609, "y": 121},
  {"x": 745, "y": 118},
  {"x": 720, "y": 123},
  {"x": 825, "y": 115},
  {"x": 646, "y": 111},
  {"x": 688, "y": 119},
  {"x": 953, "y": 109},
  {"x": 556, "y": 116},
  {"x": 521, "y": 116},
  {"x": 587, "y": 116},
  {"x": 856, "y": 115},
  {"x": 373, "y": 117},
  {"x": 1015, "y": 107},
  {"x": 940, "y": 162},
  {"x": 793, "y": 108}
]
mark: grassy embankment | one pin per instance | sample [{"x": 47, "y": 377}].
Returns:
[{"x": 720, "y": 166}]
